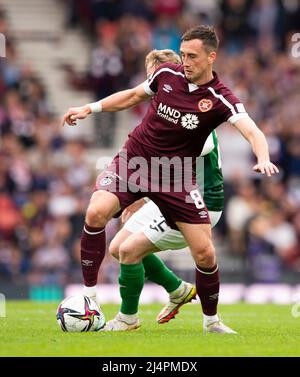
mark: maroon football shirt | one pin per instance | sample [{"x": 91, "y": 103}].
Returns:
[
  {"x": 179, "y": 119},
  {"x": 181, "y": 114}
]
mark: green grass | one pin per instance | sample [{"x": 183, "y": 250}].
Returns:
[{"x": 30, "y": 329}]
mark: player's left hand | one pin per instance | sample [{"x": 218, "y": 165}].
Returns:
[{"x": 266, "y": 168}]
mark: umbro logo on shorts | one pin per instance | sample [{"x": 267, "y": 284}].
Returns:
[{"x": 203, "y": 214}]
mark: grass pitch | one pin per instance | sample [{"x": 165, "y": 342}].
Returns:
[{"x": 30, "y": 329}]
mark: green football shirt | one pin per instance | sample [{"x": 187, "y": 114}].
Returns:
[{"x": 210, "y": 178}]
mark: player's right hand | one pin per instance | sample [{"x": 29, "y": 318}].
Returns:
[
  {"x": 75, "y": 113},
  {"x": 130, "y": 210}
]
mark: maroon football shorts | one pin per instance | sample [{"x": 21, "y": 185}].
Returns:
[{"x": 184, "y": 206}]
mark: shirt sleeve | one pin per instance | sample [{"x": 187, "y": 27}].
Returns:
[
  {"x": 147, "y": 88},
  {"x": 151, "y": 84},
  {"x": 240, "y": 113},
  {"x": 230, "y": 107}
]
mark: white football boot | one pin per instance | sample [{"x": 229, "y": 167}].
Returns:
[
  {"x": 218, "y": 327},
  {"x": 186, "y": 294},
  {"x": 121, "y": 322}
]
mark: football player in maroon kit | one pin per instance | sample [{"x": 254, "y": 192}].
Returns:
[{"x": 188, "y": 103}]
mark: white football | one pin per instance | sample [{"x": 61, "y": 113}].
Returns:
[{"x": 78, "y": 314}]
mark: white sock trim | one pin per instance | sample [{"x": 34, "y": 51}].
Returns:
[
  {"x": 90, "y": 291},
  {"x": 209, "y": 319},
  {"x": 93, "y": 233},
  {"x": 208, "y": 273},
  {"x": 177, "y": 290},
  {"x": 129, "y": 318}
]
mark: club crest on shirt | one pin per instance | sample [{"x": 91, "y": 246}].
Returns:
[{"x": 205, "y": 105}]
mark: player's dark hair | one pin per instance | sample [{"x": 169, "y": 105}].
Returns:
[{"x": 207, "y": 34}]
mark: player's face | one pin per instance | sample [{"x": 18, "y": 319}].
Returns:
[{"x": 196, "y": 60}]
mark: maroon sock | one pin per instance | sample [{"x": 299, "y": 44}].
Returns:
[
  {"x": 208, "y": 286},
  {"x": 92, "y": 253}
]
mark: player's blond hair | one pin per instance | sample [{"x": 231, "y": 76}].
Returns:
[{"x": 157, "y": 57}]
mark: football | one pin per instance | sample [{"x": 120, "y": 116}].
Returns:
[{"x": 79, "y": 314}]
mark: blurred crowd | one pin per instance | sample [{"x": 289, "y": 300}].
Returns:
[{"x": 46, "y": 180}]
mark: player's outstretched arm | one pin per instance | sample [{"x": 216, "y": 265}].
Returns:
[
  {"x": 118, "y": 101},
  {"x": 259, "y": 144}
]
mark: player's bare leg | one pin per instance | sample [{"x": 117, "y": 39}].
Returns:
[
  {"x": 117, "y": 241},
  {"x": 103, "y": 205},
  {"x": 198, "y": 237}
]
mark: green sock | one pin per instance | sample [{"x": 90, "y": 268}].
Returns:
[
  {"x": 131, "y": 281},
  {"x": 157, "y": 272}
]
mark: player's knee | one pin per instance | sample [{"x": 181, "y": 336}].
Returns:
[
  {"x": 103, "y": 205},
  {"x": 128, "y": 253},
  {"x": 125, "y": 251},
  {"x": 114, "y": 249},
  {"x": 95, "y": 216},
  {"x": 98, "y": 212},
  {"x": 205, "y": 256}
]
